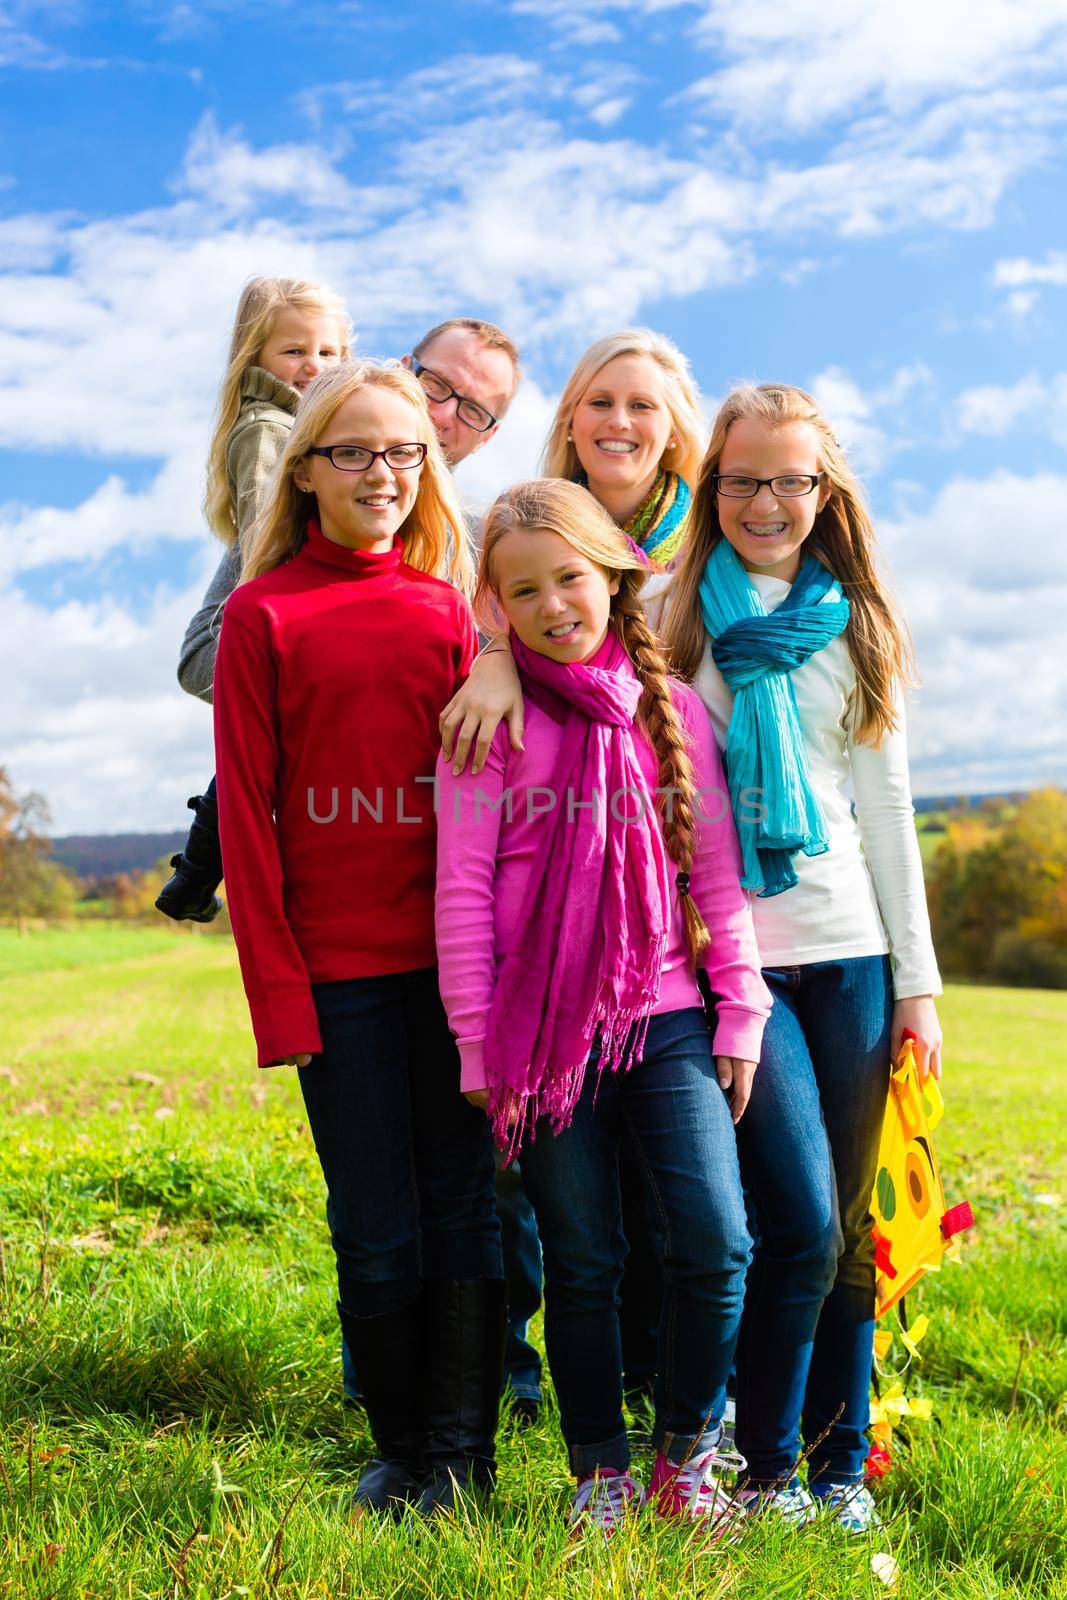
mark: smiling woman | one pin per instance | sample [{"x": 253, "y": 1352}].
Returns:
[{"x": 628, "y": 427}]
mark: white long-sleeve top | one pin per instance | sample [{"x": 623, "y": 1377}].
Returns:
[{"x": 865, "y": 896}]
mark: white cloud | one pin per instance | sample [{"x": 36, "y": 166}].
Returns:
[
  {"x": 112, "y": 517},
  {"x": 457, "y": 86},
  {"x": 1024, "y": 279},
  {"x": 814, "y": 61},
  {"x": 1019, "y": 272},
  {"x": 867, "y": 421},
  {"x": 994, "y": 410},
  {"x": 93, "y": 716},
  {"x": 985, "y": 589}
]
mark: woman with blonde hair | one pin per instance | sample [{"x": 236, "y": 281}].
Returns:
[
  {"x": 628, "y": 427},
  {"x": 285, "y": 332},
  {"x": 337, "y": 650},
  {"x": 583, "y": 883}
]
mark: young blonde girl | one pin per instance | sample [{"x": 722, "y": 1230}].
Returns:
[
  {"x": 337, "y": 650},
  {"x": 780, "y": 620},
  {"x": 582, "y": 885},
  {"x": 286, "y": 331}
]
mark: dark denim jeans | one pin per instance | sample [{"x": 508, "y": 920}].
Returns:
[
  {"x": 408, "y": 1162},
  {"x": 808, "y": 1145},
  {"x": 672, "y": 1111},
  {"x": 522, "y": 1273},
  {"x": 522, "y": 1270}
]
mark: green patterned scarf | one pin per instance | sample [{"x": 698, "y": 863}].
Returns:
[{"x": 660, "y": 524}]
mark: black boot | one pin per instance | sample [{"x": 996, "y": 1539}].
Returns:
[
  {"x": 190, "y": 895},
  {"x": 389, "y": 1356},
  {"x": 465, "y": 1325}
]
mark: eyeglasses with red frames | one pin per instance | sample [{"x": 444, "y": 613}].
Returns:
[{"x": 355, "y": 458}]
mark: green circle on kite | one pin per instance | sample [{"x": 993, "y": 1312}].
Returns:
[{"x": 887, "y": 1194}]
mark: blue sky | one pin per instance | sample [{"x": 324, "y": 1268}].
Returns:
[{"x": 867, "y": 200}]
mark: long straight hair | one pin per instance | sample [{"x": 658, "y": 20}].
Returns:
[
  {"x": 842, "y": 538},
  {"x": 560, "y": 458},
  {"x": 553, "y": 505},
  {"x": 433, "y": 536},
  {"x": 260, "y": 302}
]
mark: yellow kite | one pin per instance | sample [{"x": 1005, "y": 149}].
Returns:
[{"x": 914, "y": 1230}]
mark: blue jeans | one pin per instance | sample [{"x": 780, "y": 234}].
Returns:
[
  {"x": 675, "y": 1117},
  {"x": 808, "y": 1145},
  {"x": 522, "y": 1270},
  {"x": 408, "y": 1162}
]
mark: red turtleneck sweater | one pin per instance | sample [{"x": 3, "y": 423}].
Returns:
[{"x": 331, "y": 674}]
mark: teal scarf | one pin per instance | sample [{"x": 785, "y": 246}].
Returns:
[{"x": 774, "y": 806}]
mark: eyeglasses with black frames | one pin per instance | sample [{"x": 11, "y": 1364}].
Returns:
[
  {"x": 354, "y": 458},
  {"x": 468, "y": 411},
  {"x": 787, "y": 487}
]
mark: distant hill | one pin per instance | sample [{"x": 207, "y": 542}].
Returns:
[{"x": 101, "y": 855}]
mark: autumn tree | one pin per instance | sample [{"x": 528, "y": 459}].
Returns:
[{"x": 31, "y": 885}]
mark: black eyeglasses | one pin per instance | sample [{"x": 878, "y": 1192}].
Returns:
[
  {"x": 468, "y": 411},
  {"x": 354, "y": 458},
  {"x": 787, "y": 486}
]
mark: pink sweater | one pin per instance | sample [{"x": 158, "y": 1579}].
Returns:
[{"x": 484, "y": 860}]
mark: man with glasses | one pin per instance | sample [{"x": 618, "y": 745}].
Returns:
[{"x": 469, "y": 371}]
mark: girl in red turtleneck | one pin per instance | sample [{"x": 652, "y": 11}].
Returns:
[{"x": 341, "y": 628}]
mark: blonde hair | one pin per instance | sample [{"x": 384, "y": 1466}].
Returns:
[
  {"x": 260, "y": 302},
  {"x": 560, "y": 458},
  {"x": 842, "y": 538},
  {"x": 434, "y": 535},
  {"x": 553, "y": 505}
]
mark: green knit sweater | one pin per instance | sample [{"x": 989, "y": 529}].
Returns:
[{"x": 256, "y": 440}]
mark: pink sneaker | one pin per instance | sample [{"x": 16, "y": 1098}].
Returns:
[
  {"x": 694, "y": 1492},
  {"x": 605, "y": 1498}
]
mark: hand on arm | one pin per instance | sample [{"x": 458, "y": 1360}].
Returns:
[{"x": 492, "y": 692}]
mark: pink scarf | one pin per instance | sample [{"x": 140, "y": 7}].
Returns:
[{"x": 589, "y": 954}]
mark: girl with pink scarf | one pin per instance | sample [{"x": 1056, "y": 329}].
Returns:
[{"x": 588, "y": 898}]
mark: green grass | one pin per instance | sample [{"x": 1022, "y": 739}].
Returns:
[{"x": 170, "y": 1415}]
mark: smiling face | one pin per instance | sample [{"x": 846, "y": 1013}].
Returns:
[
  {"x": 768, "y": 532},
  {"x": 477, "y": 372},
  {"x": 621, "y": 428},
  {"x": 300, "y": 345},
  {"x": 364, "y": 510},
  {"x": 557, "y": 601}
]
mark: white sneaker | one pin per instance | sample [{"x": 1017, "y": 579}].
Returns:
[
  {"x": 605, "y": 1498},
  {"x": 852, "y": 1507},
  {"x": 794, "y": 1504}
]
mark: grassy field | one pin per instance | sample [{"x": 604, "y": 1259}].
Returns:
[{"x": 170, "y": 1412}]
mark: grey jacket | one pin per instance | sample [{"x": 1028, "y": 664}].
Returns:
[{"x": 255, "y": 443}]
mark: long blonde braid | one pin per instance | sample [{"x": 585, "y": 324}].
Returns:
[{"x": 662, "y": 724}]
